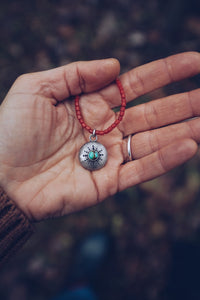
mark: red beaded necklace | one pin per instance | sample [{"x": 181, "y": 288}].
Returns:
[{"x": 93, "y": 155}]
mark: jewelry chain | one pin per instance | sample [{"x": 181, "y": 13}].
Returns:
[{"x": 115, "y": 123}]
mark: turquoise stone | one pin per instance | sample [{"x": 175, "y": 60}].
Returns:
[{"x": 93, "y": 155}]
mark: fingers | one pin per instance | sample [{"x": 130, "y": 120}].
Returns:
[
  {"x": 145, "y": 143},
  {"x": 72, "y": 79},
  {"x": 153, "y": 75},
  {"x": 161, "y": 112},
  {"x": 156, "y": 164},
  {"x": 156, "y": 74}
]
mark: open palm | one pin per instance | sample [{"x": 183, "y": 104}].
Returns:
[{"x": 40, "y": 136}]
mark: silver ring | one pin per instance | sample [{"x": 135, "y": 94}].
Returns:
[{"x": 129, "y": 147}]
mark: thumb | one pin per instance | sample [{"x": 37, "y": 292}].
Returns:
[{"x": 69, "y": 80}]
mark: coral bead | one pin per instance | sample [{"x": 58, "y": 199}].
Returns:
[{"x": 116, "y": 122}]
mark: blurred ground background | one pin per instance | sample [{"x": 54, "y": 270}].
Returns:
[{"x": 155, "y": 227}]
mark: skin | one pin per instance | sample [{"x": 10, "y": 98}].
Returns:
[{"x": 40, "y": 136}]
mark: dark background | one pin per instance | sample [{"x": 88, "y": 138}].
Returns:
[{"x": 155, "y": 227}]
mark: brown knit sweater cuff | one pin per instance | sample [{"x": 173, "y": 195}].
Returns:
[{"x": 15, "y": 228}]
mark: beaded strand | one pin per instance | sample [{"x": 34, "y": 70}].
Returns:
[{"x": 116, "y": 122}]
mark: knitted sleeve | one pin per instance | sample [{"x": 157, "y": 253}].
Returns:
[{"x": 15, "y": 228}]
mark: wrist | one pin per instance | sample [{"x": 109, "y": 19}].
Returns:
[{"x": 9, "y": 186}]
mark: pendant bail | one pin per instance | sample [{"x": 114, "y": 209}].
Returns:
[{"x": 93, "y": 136}]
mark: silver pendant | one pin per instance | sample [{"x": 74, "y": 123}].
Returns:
[{"x": 93, "y": 155}]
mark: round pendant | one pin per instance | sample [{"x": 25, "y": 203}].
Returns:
[{"x": 93, "y": 156}]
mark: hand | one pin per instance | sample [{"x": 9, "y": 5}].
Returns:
[{"x": 40, "y": 136}]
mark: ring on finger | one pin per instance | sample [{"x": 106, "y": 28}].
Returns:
[{"x": 129, "y": 148}]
